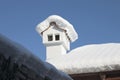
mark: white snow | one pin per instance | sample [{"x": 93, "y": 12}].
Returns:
[
  {"x": 89, "y": 58},
  {"x": 62, "y": 23}
]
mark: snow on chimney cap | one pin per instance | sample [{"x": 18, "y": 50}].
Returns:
[{"x": 62, "y": 23}]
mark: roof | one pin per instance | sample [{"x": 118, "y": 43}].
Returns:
[
  {"x": 89, "y": 58},
  {"x": 62, "y": 23}
]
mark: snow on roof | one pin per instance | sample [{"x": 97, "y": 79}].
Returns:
[
  {"x": 62, "y": 23},
  {"x": 90, "y": 58}
]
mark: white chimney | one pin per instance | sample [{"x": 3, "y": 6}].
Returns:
[{"x": 57, "y": 34}]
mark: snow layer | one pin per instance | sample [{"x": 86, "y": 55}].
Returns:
[
  {"x": 90, "y": 58},
  {"x": 62, "y": 23}
]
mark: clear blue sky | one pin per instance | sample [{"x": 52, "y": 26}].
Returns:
[{"x": 96, "y": 21}]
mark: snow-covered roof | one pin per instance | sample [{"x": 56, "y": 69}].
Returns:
[
  {"x": 89, "y": 58},
  {"x": 62, "y": 23}
]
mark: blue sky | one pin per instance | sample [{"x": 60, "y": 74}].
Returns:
[{"x": 96, "y": 21}]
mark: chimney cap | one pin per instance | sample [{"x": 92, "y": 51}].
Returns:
[{"x": 62, "y": 23}]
